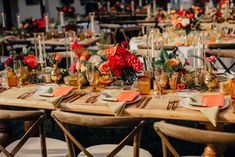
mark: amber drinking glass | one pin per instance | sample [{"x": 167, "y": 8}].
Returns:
[{"x": 144, "y": 85}]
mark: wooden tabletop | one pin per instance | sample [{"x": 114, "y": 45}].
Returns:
[{"x": 156, "y": 108}]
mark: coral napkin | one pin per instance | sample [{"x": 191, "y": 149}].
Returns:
[
  {"x": 127, "y": 96},
  {"x": 213, "y": 100},
  {"x": 62, "y": 91}
]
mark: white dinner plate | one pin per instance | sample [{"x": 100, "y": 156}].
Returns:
[
  {"x": 102, "y": 99},
  {"x": 185, "y": 102}
]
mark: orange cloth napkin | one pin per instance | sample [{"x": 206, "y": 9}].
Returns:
[
  {"x": 127, "y": 96},
  {"x": 213, "y": 100},
  {"x": 62, "y": 91}
]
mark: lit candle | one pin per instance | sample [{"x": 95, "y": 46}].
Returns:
[
  {"x": 108, "y": 6},
  {"x": 149, "y": 11},
  {"x": 3, "y": 20},
  {"x": 92, "y": 18},
  {"x": 47, "y": 23},
  {"x": 62, "y": 18},
  {"x": 140, "y": 3},
  {"x": 133, "y": 7},
  {"x": 154, "y": 7},
  {"x": 18, "y": 21}
]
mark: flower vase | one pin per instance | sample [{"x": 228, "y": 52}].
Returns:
[
  {"x": 56, "y": 74},
  {"x": 11, "y": 78},
  {"x": 211, "y": 80},
  {"x": 173, "y": 80}
]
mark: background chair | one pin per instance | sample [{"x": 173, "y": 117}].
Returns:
[
  {"x": 212, "y": 138},
  {"x": 31, "y": 146},
  {"x": 109, "y": 150}
]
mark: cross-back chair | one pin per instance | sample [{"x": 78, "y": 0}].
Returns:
[
  {"x": 108, "y": 150},
  {"x": 28, "y": 146},
  {"x": 212, "y": 138}
]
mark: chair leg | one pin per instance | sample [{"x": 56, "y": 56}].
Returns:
[
  {"x": 42, "y": 140},
  {"x": 164, "y": 150},
  {"x": 69, "y": 143},
  {"x": 136, "y": 144}
]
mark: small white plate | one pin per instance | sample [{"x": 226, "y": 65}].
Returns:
[
  {"x": 102, "y": 97},
  {"x": 185, "y": 102}
]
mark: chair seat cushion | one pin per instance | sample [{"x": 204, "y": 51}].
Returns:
[
  {"x": 105, "y": 149},
  {"x": 32, "y": 148}
]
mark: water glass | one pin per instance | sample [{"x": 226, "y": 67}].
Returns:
[
  {"x": 18, "y": 71},
  {"x": 144, "y": 85}
]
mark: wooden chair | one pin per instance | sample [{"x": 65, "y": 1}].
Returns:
[
  {"x": 31, "y": 146},
  {"x": 165, "y": 130},
  {"x": 108, "y": 150},
  {"x": 224, "y": 51}
]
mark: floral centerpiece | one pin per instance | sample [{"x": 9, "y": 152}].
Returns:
[
  {"x": 185, "y": 20},
  {"x": 177, "y": 69},
  {"x": 120, "y": 62},
  {"x": 113, "y": 62}
]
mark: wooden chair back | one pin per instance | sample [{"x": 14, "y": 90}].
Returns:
[
  {"x": 37, "y": 117},
  {"x": 165, "y": 130},
  {"x": 64, "y": 118}
]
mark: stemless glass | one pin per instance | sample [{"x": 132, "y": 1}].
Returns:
[
  {"x": 161, "y": 81},
  {"x": 18, "y": 71}
]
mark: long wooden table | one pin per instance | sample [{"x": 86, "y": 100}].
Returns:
[{"x": 154, "y": 109}]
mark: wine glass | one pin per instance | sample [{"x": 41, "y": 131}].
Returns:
[
  {"x": 90, "y": 73},
  {"x": 18, "y": 71}
]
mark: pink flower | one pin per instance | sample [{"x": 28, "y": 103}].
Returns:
[
  {"x": 186, "y": 62},
  {"x": 82, "y": 58},
  {"x": 73, "y": 68},
  {"x": 211, "y": 59}
]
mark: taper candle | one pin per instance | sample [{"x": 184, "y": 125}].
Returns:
[
  {"x": 149, "y": 11},
  {"x": 62, "y": 18},
  {"x": 3, "y": 20},
  {"x": 140, "y": 3},
  {"x": 18, "y": 21},
  {"x": 47, "y": 23}
]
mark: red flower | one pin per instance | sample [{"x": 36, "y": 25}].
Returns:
[
  {"x": 75, "y": 45},
  {"x": 190, "y": 15},
  {"x": 124, "y": 44},
  {"x": 31, "y": 61},
  {"x": 211, "y": 59},
  {"x": 41, "y": 23},
  {"x": 57, "y": 57},
  {"x": 218, "y": 13},
  {"x": 179, "y": 25},
  {"x": 9, "y": 61}
]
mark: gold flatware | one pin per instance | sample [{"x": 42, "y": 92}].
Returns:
[
  {"x": 76, "y": 97},
  {"x": 69, "y": 98},
  {"x": 145, "y": 102},
  {"x": 172, "y": 105},
  {"x": 175, "y": 105},
  {"x": 25, "y": 95},
  {"x": 141, "y": 101},
  {"x": 92, "y": 99}
]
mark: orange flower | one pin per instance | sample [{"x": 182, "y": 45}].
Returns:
[
  {"x": 104, "y": 68},
  {"x": 172, "y": 62}
]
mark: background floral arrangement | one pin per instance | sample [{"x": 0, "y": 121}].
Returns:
[
  {"x": 69, "y": 11},
  {"x": 33, "y": 25},
  {"x": 185, "y": 20}
]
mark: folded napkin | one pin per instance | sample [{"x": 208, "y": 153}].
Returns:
[
  {"x": 47, "y": 94},
  {"x": 212, "y": 103},
  {"x": 118, "y": 100},
  {"x": 62, "y": 91}
]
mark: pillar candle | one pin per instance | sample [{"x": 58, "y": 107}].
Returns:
[
  {"x": 149, "y": 11},
  {"x": 47, "y": 23},
  {"x": 92, "y": 21},
  {"x": 168, "y": 8},
  {"x": 133, "y": 7},
  {"x": 62, "y": 18},
  {"x": 154, "y": 7},
  {"x": 152, "y": 42},
  {"x": 18, "y": 21},
  {"x": 40, "y": 49},
  {"x": 3, "y": 20},
  {"x": 108, "y": 6},
  {"x": 140, "y": 3}
]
